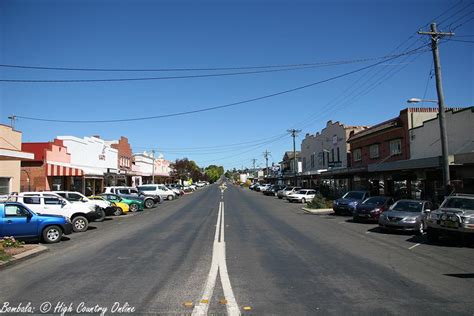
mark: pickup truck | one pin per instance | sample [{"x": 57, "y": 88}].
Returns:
[{"x": 16, "y": 220}]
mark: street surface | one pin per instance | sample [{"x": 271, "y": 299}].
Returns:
[{"x": 204, "y": 253}]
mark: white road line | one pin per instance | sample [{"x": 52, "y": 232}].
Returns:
[
  {"x": 218, "y": 264},
  {"x": 414, "y": 246}
]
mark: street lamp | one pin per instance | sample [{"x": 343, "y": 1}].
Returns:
[{"x": 444, "y": 141}]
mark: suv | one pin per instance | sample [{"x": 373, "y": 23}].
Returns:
[
  {"x": 49, "y": 203},
  {"x": 131, "y": 192},
  {"x": 157, "y": 189},
  {"x": 105, "y": 208},
  {"x": 454, "y": 216}
]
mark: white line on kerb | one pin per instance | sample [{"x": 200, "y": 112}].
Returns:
[{"x": 218, "y": 264}]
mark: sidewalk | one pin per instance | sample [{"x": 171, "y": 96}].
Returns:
[
  {"x": 319, "y": 211},
  {"x": 23, "y": 256}
]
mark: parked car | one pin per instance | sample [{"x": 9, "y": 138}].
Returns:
[
  {"x": 269, "y": 191},
  {"x": 49, "y": 203},
  {"x": 157, "y": 189},
  {"x": 120, "y": 208},
  {"x": 406, "y": 215},
  {"x": 264, "y": 187},
  {"x": 132, "y": 193},
  {"x": 103, "y": 207},
  {"x": 287, "y": 191},
  {"x": 135, "y": 204},
  {"x": 253, "y": 185},
  {"x": 302, "y": 196},
  {"x": 455, "y": 217},
  {"x": 177, "y": 188},
  {"x": 16, "y": 220},
  {"x": 349, "y": 201},
  {"x": 371, "y": 208}
]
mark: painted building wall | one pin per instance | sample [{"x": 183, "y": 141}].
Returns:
[
  {"x": 91, "y": 154},
  {"x": 425, "y": 139},
  {"x": 10, "y": 139}
]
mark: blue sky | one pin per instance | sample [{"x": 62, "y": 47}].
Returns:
[{"x": 191, "y": 34}]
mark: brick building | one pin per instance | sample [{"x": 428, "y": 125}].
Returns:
[{"x": 124, "y": 162}]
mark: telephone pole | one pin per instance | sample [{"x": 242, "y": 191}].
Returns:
[
  {"x": 294, "y": 133},
  {"x": 266, "y": 154},
  {"x": 435, "y": 36},
  {"x": 153, "y": 168},
  {"x": 253, "y": 163}
]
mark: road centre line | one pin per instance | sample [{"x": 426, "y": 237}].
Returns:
[{"x": 218, "y": 264}]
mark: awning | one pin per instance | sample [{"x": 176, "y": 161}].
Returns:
[
  {"x": 54, "y": 170},
  {"x": 10, "y": 154}
]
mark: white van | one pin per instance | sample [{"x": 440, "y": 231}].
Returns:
[{"x": 157, "y": 189}]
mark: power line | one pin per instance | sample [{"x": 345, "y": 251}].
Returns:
[{"x": 414, "y": 51}]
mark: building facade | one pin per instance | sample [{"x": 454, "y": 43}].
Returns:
[
  {"x": 124, "y": 160},
  {"x": 11, "y": 155}
]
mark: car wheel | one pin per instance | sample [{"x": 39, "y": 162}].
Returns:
[
  {"x": 280, "y": 197},
  {"x": 421, "y": 229},
  {"x": 133, "y": 207},
  {"x": 355, "y": 219},
  {"x": 149, "y": 203},
  {"x": 101, "y": 217},
  {"x": 303, "y": 200},
  {"x": 79, "y": 224},
  {"x": 118, "y": 211},
  {"x": 52, "y": 234},
  {"x": 170, "y": 197},
  {"x": 432, "y": 234}
]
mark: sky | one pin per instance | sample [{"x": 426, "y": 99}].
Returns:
[{"x": 105, "y": 34}]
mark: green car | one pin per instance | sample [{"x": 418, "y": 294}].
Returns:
[{"x": 134, "y": 204}]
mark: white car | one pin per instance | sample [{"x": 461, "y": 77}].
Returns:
[
  {"x": 105, "y": 208},
  {"x": 49, "y": 203},
  {"x": 302, "y": 196},
  {"x": 264, "y": 187},
  {"x": 157, "y": 189}
]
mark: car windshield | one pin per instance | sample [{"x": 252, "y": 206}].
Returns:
[
  {"x": 353, "y": 195},
  {"x": 301, "y": 192},
  {"x": 408, "y": 206},
  {"x": 459, "y": 202},
  {"x": 375, "y": 201}
]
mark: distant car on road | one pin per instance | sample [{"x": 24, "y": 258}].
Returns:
[
  {"x": 16, "y": 220},
  {"x": 349, "y": 202},
  {"x": 371, "y": 208},
  {"x": 302, "y": 196},
  {"x": 406, "y": 215},
  {"x": 454, "y": 217}
]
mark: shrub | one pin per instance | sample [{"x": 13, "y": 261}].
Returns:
[
  {"x": 319, "y": 202},
  {"x": 10, "y": 242}
]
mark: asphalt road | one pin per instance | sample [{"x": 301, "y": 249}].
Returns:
[{"x": 271, "y": 257}]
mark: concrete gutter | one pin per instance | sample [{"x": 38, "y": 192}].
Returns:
[
  {"x": 319, "y": 211},
  {"x": 23, "y": 256}
]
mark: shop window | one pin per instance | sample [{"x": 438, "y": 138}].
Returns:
[
  {"x": 4, "y": 185},
  {"x": 357, "y": 154},
  {"x": 374, "y": 151},
  {"x": 395, "y": 147}
]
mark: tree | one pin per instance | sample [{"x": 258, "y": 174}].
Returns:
[
  {"x": 185, "y": 169},
  {"x": 214, "y": 172}
]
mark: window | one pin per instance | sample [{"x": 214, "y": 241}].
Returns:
[
  {"x": 15, "y": 210},
  {"x": 312, "y": 161},
  {"x": 338, "y": 155},
  {"x": 324, "y": 158},
  {"x": 51, "y": 201},
  {"x": 4, "y": 185},
  {"x": 374, "y": 151},
  {"x": 74, "y": 197},
  {"x": 332, "y": 154},
  {"x": 31, "y": 200},
  {"x": 395, "y": 147},
  {"x": 304, "y": 162},
  {"x": 357, "y": 154}
]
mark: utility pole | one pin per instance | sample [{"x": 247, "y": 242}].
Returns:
[
  {"x": 266, "y": 154},
  {"x": 435, "y": 36},
  {"x": 12, "y": 119},
  {"x": 253, "y": 163},
  {"x": 294, "y": 132},
  {"x": 153, "y": 168}
]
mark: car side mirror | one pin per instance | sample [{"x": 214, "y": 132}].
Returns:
[{"x": 63, "y": 202}]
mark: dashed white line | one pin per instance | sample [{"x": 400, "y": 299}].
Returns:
[{"x": 414, "y": 246}]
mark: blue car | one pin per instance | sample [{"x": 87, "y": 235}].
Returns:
[
  {"x": 16, "y": 220},
  {"x": 349, "y": 201}
]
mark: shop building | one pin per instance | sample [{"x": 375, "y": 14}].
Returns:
[
  {"x": 124, "y": 161},
  {"x": 11, "y": 156}
]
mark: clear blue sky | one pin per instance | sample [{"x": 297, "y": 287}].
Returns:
[{"x": 192, "y": 34}]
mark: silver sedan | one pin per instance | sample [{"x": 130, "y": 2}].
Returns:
[{"x": 406, "y": 215}]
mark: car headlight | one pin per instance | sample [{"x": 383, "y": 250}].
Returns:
[
  {"x": 334, "y": 203},
  {"x": 469, "y": 220},
  {"x": 375, "y": 210}
]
